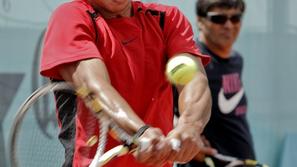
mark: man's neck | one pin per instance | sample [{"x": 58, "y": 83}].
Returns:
[
  {"x": 221, "y": 51},
  {"x": 126, "y": 12}
]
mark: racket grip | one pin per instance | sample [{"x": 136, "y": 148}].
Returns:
[
  {"x": 145, "y": 143},
  {"x": 175, "y": 144}
]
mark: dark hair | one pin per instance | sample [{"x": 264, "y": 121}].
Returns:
[{"x": 203, "y": 6}]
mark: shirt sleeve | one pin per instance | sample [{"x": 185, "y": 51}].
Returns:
[
  {"x": 70, "y": 37},
  {"x": 179, "y": 35}
]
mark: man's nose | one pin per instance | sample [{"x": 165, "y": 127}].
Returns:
[{"x": 228, "y": 24}]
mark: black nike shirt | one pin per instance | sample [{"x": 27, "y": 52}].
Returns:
[{"x": 228, "y": 129}]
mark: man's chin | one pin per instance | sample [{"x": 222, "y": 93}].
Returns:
[{"x": 227, "y": 42}]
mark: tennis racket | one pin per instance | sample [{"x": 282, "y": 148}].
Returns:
[
  {"x": 107, "y": 125},
  {"x": 232, "y": 161}
]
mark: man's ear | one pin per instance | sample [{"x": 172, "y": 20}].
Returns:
[{"x": 199, "y": 21}]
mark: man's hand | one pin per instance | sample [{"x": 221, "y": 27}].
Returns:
[
  {"x": 206, "y": 150},
  {"x": 158, "y": 149},
  {"x": 190, "y": 143}
]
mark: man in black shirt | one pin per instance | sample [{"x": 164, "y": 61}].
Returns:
[{"x": 219, "y": 23}]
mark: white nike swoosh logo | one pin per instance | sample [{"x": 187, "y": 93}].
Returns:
[{"x": 228, "y": 105}]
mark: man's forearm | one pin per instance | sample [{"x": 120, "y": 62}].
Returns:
[
  {"x": 195, "y": 102},
  {"x": 92, "y": 75}
]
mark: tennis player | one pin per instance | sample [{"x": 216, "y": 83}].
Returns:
[{"x": 118, "y": 49}]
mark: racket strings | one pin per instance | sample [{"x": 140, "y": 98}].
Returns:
[
  {"x": 20, "y": 116},
  {"x": 119, "y": 134},
  {"x": 104, "y": 128},
  {"x": 22, "y": 111},
  {"x": 103, "y": 131}
]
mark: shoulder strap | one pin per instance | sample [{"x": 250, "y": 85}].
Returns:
[
  {"x": 154, "y": 12},
  {"x": 162, "y": 20},
  {"x": 93, "y": 15}
]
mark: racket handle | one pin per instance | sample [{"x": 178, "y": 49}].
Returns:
[
  {"x": 109, "y": 155},
  {"x": 115, "y": 152},
  {"x": 175, "y": 144},
  {"x": 145, "y": 143}
]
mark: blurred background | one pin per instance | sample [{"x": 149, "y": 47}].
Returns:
[{"x": 268, "y": 43}]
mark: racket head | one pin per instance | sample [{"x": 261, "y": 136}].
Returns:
[
  {"x": 29, "y": 145},
  {"x": 230, "y": 161}
]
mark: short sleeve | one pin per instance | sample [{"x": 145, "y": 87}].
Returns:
[
  {"x": 179, "y": 35},
  {"x": 70, "y": 37}
]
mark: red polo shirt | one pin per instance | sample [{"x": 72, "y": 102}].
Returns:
[{"x": 134, "y": 50}]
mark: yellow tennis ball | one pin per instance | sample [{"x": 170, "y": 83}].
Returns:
[{"x": 181, "y": 69}]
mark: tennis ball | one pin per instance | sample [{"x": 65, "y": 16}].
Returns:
[{"x": 181, "y": 69}]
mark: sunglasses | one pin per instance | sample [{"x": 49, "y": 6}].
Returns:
[{"x": 218, "y": 18}]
